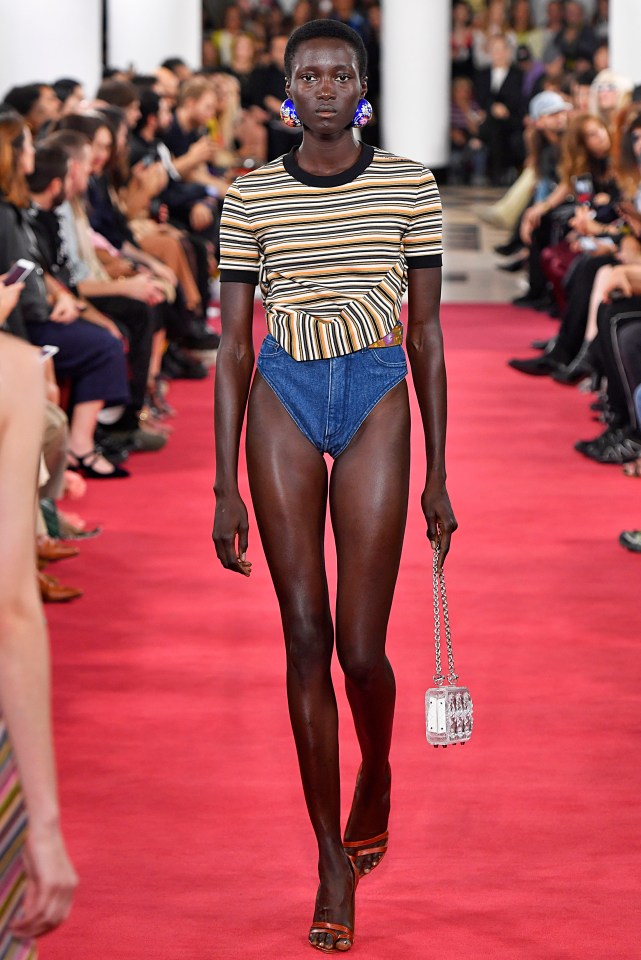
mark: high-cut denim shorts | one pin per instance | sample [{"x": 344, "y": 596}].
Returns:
[{"x": 328, "y": 400}]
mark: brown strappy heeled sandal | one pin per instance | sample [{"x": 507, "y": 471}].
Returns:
[
  {"x": 342, "y": 936},
  {"x": 364, "y": 848}
]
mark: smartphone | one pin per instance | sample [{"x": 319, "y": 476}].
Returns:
[
  {"x": 148, "y": 160},
  {"x": 583, "y": 188},
  {"x": 48, "y": 351},
  {"x": 19, "y": 272}
]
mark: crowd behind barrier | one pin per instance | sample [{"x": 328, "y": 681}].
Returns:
[{"x": 537, "y": 109}]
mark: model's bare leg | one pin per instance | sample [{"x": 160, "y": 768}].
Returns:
[
  {"x": 368, "y": 499},
  {"x": 288, "y": 479}
]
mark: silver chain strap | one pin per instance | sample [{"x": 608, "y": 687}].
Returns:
[{"x": 440, "y": 600}]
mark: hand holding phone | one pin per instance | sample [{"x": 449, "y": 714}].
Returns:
[
  {"x": 19, "y": 272},
  {"x": 9, "y": 297}
]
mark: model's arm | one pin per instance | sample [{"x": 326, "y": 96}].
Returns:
[
  {"x": 234, "y": 367},
  {"x": 24, "y": 655},
  {"x": 425, "y": 352}
]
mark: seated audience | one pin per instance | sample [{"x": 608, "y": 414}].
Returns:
[
  {"x": 88, "y": 356},
  {"x": 37, "y": 103},
  {"x": 468, "y": 153}
]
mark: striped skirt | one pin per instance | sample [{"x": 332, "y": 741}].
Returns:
[{"x": 13, "y": 824}]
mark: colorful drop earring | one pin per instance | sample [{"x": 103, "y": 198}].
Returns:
[
  {"x": 363, "y": 113},
  {"x": 288, "y": 114}
]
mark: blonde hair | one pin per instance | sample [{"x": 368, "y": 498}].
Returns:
[
  {"x": 622, "y": 85},
  {"x": 194, "y": 90}
]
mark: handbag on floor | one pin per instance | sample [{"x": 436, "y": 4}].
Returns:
[{"x": 448, "y": 707}]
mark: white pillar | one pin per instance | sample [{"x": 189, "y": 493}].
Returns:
[
  {"x": 415, "y": 76},
  {"x": 44, "y": 40},
  {"x": 146, "y": 32},
  {"x": 625, "y": 38}
]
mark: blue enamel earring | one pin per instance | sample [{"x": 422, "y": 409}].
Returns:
[
  {"x": 288, "y": 114},
  {"x": 363, "y": 113}
]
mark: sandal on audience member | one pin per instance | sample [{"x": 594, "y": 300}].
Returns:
[
  {"x": 342, "y": 936},
  {"x": 84, "y": 465}
]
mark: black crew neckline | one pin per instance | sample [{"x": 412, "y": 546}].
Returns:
[{"x": 334, "y": 180}]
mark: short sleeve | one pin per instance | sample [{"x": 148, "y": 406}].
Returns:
[
  {"x": 239, "y": 249},
  {"x": 423, "y": 239}
]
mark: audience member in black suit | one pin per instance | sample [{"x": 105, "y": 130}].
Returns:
[
  {"x": 499, "y": 93},
  {"x": 577, "y": 40}
]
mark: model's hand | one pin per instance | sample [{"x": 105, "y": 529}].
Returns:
[
  {"x": 441, "y": 522},
  {"x": 230, "y": 535},
  {"x": 51, "y": 881}
]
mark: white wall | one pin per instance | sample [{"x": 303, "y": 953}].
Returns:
[
  {"x": 146, "y": 32},
  {"x": 415, "y": 64},
  {"x": 625, "y": 38},
  {"x": 43, "y": 40}
]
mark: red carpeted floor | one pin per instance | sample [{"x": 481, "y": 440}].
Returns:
[{"x": 181, "y": 800}]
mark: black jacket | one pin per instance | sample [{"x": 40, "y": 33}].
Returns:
[
  {"x": 17, "y": 240},
  {"x": 510, "y": 94}
]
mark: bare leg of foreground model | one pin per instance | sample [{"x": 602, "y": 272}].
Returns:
[{"x": 368, "y": 501}]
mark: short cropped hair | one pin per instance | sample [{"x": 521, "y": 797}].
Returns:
[
  {"x": 23, "y": 99},
  {"x": 326, "y": 29},
  {"x": 194, "y": 89},
  {"x": 64, "y": 87},
  {"x": 50, "y": 163},
  {"x": 73, "y": 142},
  {"x": 172, "y": 63},
  {"x": 149, "y": 106},
  {"x": 87, "y": 124},
  {"x": 118, "y": 93}
]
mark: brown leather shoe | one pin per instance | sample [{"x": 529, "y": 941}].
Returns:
[
  {"x": 49, "y": 549},
  {"x": 52, "y": 591}
]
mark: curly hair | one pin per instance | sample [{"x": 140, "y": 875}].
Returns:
[{"x": 575, "y": 157}]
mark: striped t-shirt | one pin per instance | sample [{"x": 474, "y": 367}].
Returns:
[{"x": 331, "y": 253}]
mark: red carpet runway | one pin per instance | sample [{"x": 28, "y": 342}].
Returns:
[{"x": 180, "y": 793}]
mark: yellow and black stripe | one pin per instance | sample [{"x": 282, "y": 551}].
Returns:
[{"x": 331, "y": 254}]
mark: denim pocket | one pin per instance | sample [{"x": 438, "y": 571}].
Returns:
[
  {"x": 270, "y": 348},
  {"x": 389, "y": 356}
]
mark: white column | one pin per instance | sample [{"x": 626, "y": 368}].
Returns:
[
  {"x": 146, "y": 32},
  {"x": 415, "y": 65},
  {"x": 625, "y": 38},
  {"x": 44, "y": 40}
]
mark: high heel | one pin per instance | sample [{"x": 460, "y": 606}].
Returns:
[
  {"x": 342, "y": 936},
  {"x": 84, "y": 465}
]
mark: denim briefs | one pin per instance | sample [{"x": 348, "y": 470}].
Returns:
[{"x": 328, "y": 400}]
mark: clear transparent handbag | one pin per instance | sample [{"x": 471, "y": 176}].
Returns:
[{"x": 449, "y": 716}]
